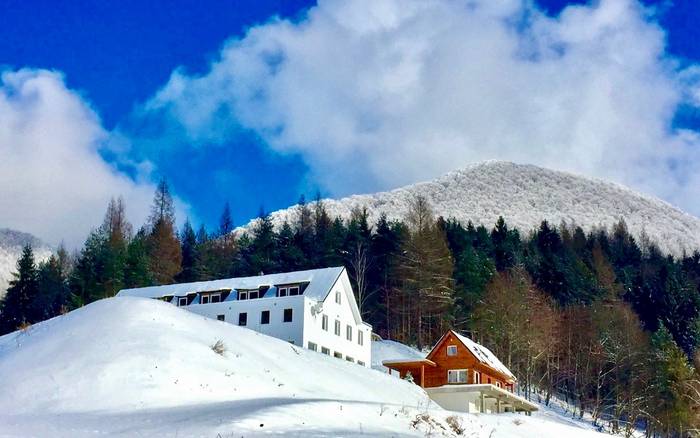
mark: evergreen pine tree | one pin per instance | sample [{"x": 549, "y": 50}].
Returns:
[
  {"x": 16, "y": 307},
  {"x": 291, "y": 258},
  {"x": 54, "y": 293},
  {"x": 263, "y": 249},
  {"x": 137, "y": 270},
  {"x": 225, "y": 222},
  {"x": 189, "y": 269}
]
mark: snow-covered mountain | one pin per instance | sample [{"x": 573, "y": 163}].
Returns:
[
  {"x": 525, "y": 195},
  {"x": 139, "y": 367},
  {"x": 11, "y": 244}
]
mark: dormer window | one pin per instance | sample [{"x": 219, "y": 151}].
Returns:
[
  {"x": 288, "y": 291},
  {"x": 243, "y": 295},
  {"x": 209, "y": 297},
  {"x": 181, "y": 301}
]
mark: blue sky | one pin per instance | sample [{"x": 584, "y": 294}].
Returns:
[{"x": 118, "y": 56}]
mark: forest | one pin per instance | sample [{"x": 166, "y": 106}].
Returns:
[{"x": 600, "y": 319}]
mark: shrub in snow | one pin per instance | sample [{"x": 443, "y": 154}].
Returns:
[
  {"x": 455, "y": 424},
  {"x": 219, "y": 347}
]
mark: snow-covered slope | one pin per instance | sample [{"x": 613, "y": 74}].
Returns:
[
  {"x": 11, "y": 244},
  {"x": 139, "y": 367},
  {"x": 385, "y": 349},
  {"x": 525, "y": 195}
]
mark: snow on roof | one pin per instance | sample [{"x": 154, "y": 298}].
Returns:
[
  {"x": 320, "y": 283},
  {"x": 391, "y": 351},
  {"x": 484, "y": 355}
]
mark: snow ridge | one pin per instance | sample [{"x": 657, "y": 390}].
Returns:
[{"x": 525, "y": 195}]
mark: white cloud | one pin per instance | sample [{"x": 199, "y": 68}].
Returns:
[
  {"x": 382, "y": 93},
  {"x": 53, "y": 181}
]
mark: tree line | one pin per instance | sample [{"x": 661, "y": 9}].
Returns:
[{"x": 600, "y": 319}]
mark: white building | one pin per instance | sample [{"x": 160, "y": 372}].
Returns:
[{"x": 315, "y": 309}]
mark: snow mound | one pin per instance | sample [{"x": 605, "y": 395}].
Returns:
[
  {"x": 140, "y": 367},
  {"x": 126, "y": 353},
  {"x": 525, "y": 195}
]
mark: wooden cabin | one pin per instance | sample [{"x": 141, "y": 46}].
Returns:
[{"x": 460, "y": 374}]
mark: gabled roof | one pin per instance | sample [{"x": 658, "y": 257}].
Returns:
[
  {"x": 482, "y": 354},
  {"x": 320, "y": 282}
]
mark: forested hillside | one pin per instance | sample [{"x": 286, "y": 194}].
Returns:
[
  {"x": 605, "y": 321},
  {"x": 525, "y": 195}
]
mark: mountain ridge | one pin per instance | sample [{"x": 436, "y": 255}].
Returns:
[
  {"x": 11, "y": 244},
  {"x": 524, "y": 195}
]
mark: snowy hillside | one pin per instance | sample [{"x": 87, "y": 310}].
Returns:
[
  {"x": 385, "y": 349},
  {"x": 139, "y": 367},
  {"x": 11, "y": 244},
  {"x": 525, "y": 195}
]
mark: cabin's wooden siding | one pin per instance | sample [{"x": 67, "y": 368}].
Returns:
[
  {"x": 464, "y": 359},
  {"x": 437, "y": 376}
]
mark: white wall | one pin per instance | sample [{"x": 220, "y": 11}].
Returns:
[
  {"x": 343, "y": 312},
  {"x": 306, "y": 325},
  {"x": 287, "y": 331}
]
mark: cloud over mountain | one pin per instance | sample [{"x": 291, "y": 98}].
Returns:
[
  {"x": 382, "y": 93},
  {"x": 53, "y": 181}
]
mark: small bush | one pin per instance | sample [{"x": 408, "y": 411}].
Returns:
[
  {"x": 455, "y": 424},
  {"x": 219, "y": 347}
]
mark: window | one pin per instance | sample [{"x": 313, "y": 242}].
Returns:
[
  {"x": 337, "y": 327},
  {"x": 221, "y": 317},
  {"x": 243, "y": 318},
  {"x": 215, "y": 298},
  {"x": 253, "y": 294},
  {"x": 243, "y": 295},
  {"x": 488, "y": 380},
  {"x": 338, "y": 355},
  {"x": 477, "y": 377},
  {"x": 293, "y": 290},
  {"x": 282, "y": 292},
  {"x": 359, "y": 362},
  {"x": 337, "y": 297},
  {"x": 204, "y": 299},
  {"x": 498, "y": 384},
  {"x": 360, "y": 337},
  {"x": 265, "y": 317},
  {"x": 324, "y": 322},
  {"x": 287, "y": 315},
  {"x": 456, "y": 376},
  {"x": 348, "y": 332},
  {"x": 452, "y": 350},
  {"x": 325, "y": 350},
  {"x": 313, "y": 346},
  {"x": 182, "y": 301},
  {"x": 349, "y": 359}
]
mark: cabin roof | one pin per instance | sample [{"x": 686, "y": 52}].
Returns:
[
  {"x": 482, "y": 354},
  {"x": 408, "y": 362},
  {"x": 320, "y": 282}
]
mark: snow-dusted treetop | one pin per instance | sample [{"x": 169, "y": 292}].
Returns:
[{"x": 525, "y": 195}]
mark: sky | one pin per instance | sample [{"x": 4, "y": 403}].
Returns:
[{"x": 258, "y": 102}]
